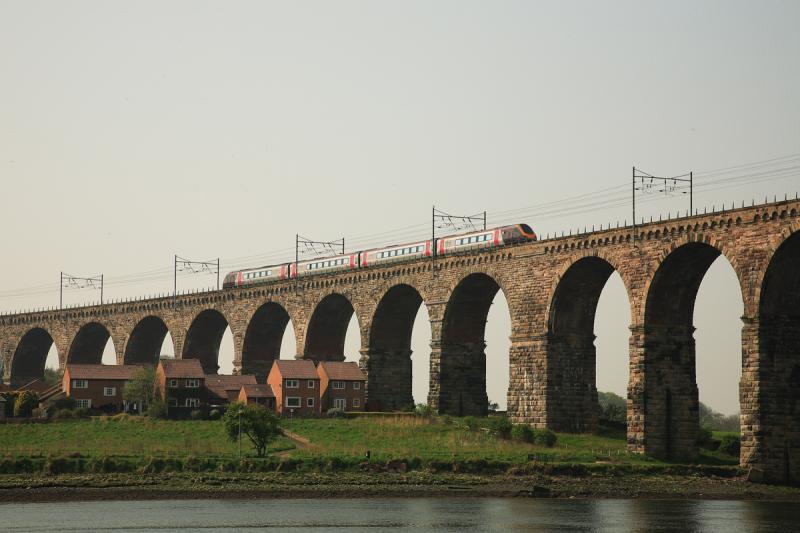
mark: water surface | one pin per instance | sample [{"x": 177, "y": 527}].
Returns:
[{"x": 413, "y": 514}]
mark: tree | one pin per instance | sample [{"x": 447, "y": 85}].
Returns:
[
  {"x": 142, "y": 388},
  {"x": 612, "y": 407},
  {"x": 52, "y": 376},
  {"x": 26, "y": 403},
  {"x": 255, "y": 422}
]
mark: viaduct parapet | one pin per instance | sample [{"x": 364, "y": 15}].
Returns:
[{"x": 552, "y": 288}]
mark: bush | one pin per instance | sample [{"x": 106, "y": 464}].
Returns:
[
  {"x": 63, "y": 414},
  {"x": 423, "y": 409},
  {"x": 214, "y": 414},
  {"x": 470, "y": 422},
  {"x": 499, "y": 426},
  {"x": 82, "y": 412},
  {"x": 545, "y": 437},
  {"x": 704, "y": 438},
  {"x": 335, "y": 412},
  {"x": 522, "y": 433},
  {"x": 11, "y": 401},
  {"x": 157, "y": 409},
  {"x": 65, "y": 403},
  {"x": 730, "y": 444},
  {"x": 25, "y": 404}
]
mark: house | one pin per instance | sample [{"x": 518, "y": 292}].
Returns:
[
  {"x": 97, "y": 387},
  {"x": 342, "y": 385},
  {"x": 257, "y": 393},
  {"x": 182, "y": 385},
  {"x": 223, "y": 389},
  {"x": 295, "y": 384}
]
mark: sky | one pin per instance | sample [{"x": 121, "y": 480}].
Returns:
[{"x": 133, "y": 131}]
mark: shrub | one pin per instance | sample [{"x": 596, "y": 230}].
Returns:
[
  {"x": 157, "y": 409},
  {"x": 214, "y": 414},
  {"x": 61, "y": 465},
  {"x": 522, "y": 433},
  {"x": 26, "y": 402},
  {"x": 65, "y": 403},
  {"x": 470, "y": 422},
  {"x": 63, "y": 414},
  {"x": 11, "y": 401},
  {"x": 82, "y": 412},
  {"x": 545, "y": 437},
  {"x": 335, "y": 412},
  {"x": 704, "y": 438},
  {"x": 423, "y": 409},
  {"x": 730, "y": 444},
  {"x": 500, "y": 426}
]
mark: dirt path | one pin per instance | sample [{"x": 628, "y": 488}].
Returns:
[{"x": 301, "y": 443}]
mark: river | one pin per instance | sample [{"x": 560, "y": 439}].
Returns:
[{"x": 417, "y": 514}]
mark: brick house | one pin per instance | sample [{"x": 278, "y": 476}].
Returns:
[
  {"x": 295, "y": 384},
  {"x": 223, "y": 389},
  {"x": 260, "y": 394},
  {"x": 98, "y": 387},
  {"x": 342, "y": 385},
  {"x": 182, "y": 386}
]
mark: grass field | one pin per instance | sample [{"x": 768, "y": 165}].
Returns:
[
  {"x": 429, "y": 439},
  {"x": 134, "y": 436}
]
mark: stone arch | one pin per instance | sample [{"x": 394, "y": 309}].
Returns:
[
  {"x": 203, "y": 339},
  {"x": 669, "y": 403},
  {"x": 145, "y": 341},
  {"x": 30, "y": 356},
  {"x": 88, "y": 344},
  {"x": 779, "y": 363},
  {"x": 388, "y": 361},
  {"x": 571, "y": 352},
  {"x": 459, "y": 386},
  {"x": 263, "y": 338},
  {"x": 327, "y": 328}
]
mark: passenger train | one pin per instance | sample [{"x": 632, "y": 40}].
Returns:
[{"x": 476, "y": 240}]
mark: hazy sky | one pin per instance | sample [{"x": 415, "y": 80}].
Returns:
[{"x": 130, "y": 131}]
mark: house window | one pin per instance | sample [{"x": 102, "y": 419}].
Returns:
[
  {"x": 340, "y": 403},
  {"x": 109, "y": 391},
  {"x": 173, "y": 384},
  {"x": 292, "y": 383},
  {"x": 192, "y": 402},
  {"x": 338, "y": 384},
  {"x": 310, "y": 383},
  {"x": 309, "y": 402},
  {"x": 356, "y": 385},
  {"x": 173, "y": 402},
  {"x": 292, "y": 401},
  {"x": 192, "y": 383},
  {"x": 356, "y": 402},
  {"x": 84, "y": 404},
  {"x": 80, "y": 384}
]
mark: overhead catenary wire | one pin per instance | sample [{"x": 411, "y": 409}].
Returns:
[{"x": 777, "y": 168}]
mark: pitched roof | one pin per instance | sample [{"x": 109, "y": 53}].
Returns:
[
  {"x": 297, "y": 368},
  {"x": 258, "y": 390},
  {"x": 221, "y": 384},
  {"x": 183, "y": 368},
  {"x": 342, "y": 371},
  {"x": 37, "y": 385},
  {"x": 102, "y": 371}
]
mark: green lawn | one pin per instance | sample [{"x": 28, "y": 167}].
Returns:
[
  {"x": 429, "y": 439},
  {"x": 134, "y": 436},
  {"x": 432, "y": 438}
]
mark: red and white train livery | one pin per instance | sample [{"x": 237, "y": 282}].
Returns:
[{"x": 489, "y": 238}]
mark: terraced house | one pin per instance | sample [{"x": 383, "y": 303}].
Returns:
[
  {"x": 342, "y": 385},
  {"x": 295, "y": 384},
  {"x": 182, "y": 385}
]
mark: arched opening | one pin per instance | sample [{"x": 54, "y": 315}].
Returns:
[
  {"x": 145, "y": 342},
  {"x": 263, "y": 339},
  {"x": 28, "y": 362},
  {"x": 669, "y": 402},
  {"x": 461, "y": 385},
  {"x": 327, "y": 329},
  {"x": 571, "y": 353},
  {"x": 89, "y": 344},
  {"x": 227, "y": 352},
  {"x": 389, "y": 367},
  {"x": 778, "y": 366},
  {"x": 204, "y": 338},
  {"x": 421, "y": 355}
]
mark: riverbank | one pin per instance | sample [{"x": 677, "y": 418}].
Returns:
[{"x": 185, "y": 485}]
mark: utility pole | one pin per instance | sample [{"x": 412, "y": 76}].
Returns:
[
  {"x": 67, "y": 281},
  {"x": 194, "y": 267}
]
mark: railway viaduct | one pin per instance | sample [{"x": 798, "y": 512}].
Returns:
[{"x": 552, "y": 287}]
